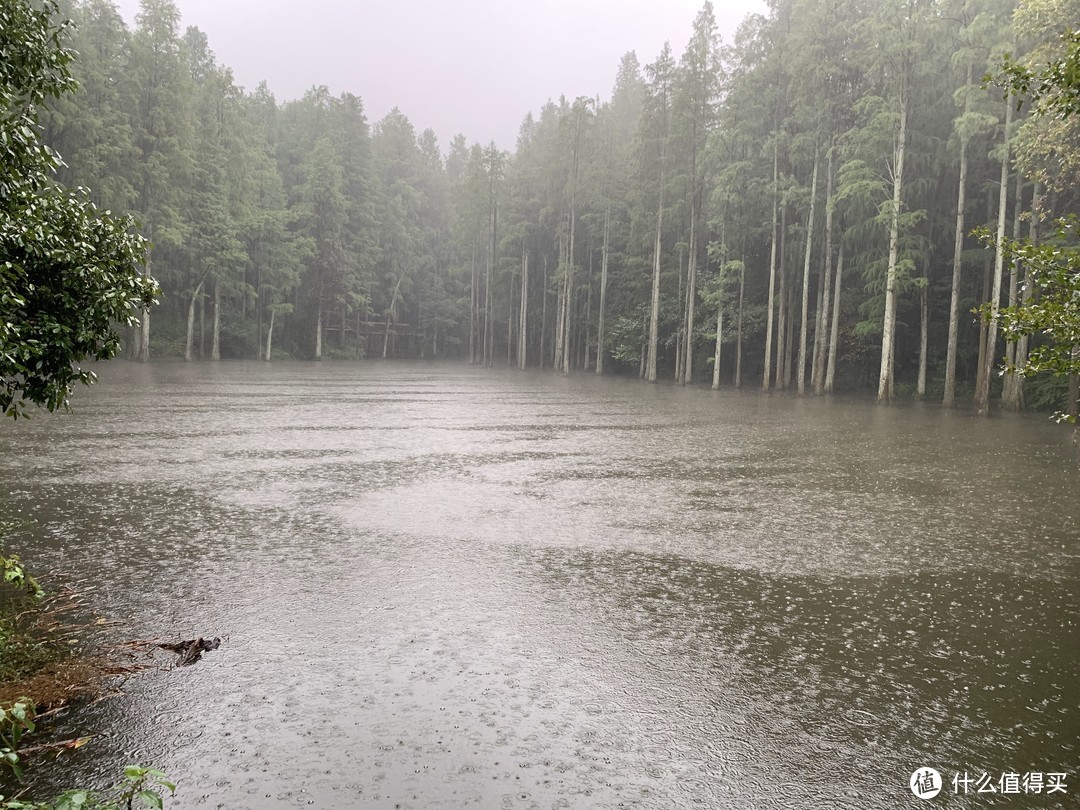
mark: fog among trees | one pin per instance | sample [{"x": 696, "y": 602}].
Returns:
[{"x": 789, "y": 210}]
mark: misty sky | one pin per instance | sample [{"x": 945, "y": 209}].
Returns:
[{"x": 471, "y": 66}]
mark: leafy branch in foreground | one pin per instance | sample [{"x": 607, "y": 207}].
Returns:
[
  {"x": 141, "y": 786},
  {"x": 68, "y": 271}
]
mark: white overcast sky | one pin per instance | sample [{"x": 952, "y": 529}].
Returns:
[{"x": 469, "y": 66}]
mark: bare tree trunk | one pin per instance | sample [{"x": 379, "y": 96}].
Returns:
[
  {"x": 924, "y": 308},
  {"x": 190, "y": 345},
  {"x": 587, "y": 323},
  {"x": 680, "y": 338},
  {"x": 1025, "y": 298},
  {"x": 202, "y": 327},
  {"x": 982, "y": 395},
  {"x": 654, "y": 313},
  {"x": 644, "y": 347},
  {"x": 825, "y": 291},
  {"x": 603, "y": 293},
  {"x": 560, "y": 318},
  {"x": 949, "y": 399},
  {"x": 719, "y": 340},
  {"x": 270, "y": 335},
  {"x": 1012, "y": 396},
  {"x": 523, "y": 316},
  {"x": 804, "y": 323},
  {"x": 472, "y": 311},
  {"x": 543, "y": 312},
  {"x": 738, "y": 329},
  {"x": 318, "y": 333},
  {"x": 568, "y": 308},
  {"x": 215, "y": 345},
  {"x": 888, "y": 327},
  {"x": 789, "y": 338},
  {"x": 765, "y": 379},
  {"x": 783, "y": 311},
  {"x": 691, "y": 296},
  {"x": 834, "y": 332}
]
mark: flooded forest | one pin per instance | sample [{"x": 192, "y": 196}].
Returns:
[
  {"x": 790, "y": 208},
  {"x": 711, "y": 445}
]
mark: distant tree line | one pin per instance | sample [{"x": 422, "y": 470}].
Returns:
[{"x": 791, "y": 210}]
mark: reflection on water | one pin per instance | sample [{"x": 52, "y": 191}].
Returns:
[{"x": 444, "y": 587}]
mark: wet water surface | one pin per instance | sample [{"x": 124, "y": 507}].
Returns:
[{"x": 445, "y": 587}]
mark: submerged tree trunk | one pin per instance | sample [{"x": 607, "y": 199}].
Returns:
[
  {"x": 719, "y": 341},
  {"x": 190, "y": 345},
  {"x": 825, "y": 292},
  {"x": 472, "y": 311},
  {"x": 1012, "y": 395},
  {"x": 888, "y": 327},
  {"x": 523, "y": 316},
  {"x": 765, "y": 379},
  {"x": 1025, "y": 298},
  {"x": 834, "y": 331},
  {"x": 270, "y": 335},
  {"x": 691, "y": 296},
  {"x": 738, "y": 329},
  {"x": 924, "y": 309},
  {"x": 569, "y": 291},
  {"x": 543, "y": 311},
  {"x": 560, "y": 316},
  {"x": 804, "y": 324},
  {"x": 654, "y": 312},
  {"x": 603, "y": 293},
  {"x": 215, "y": 345},
  {"x": 982, "y": 395},
  {"x": 949, "y": 398}
]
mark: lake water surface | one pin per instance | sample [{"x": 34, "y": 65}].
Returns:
[{"x": 444, "y": 587}]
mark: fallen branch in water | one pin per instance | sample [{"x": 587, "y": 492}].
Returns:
[{"x": 190, "y": 651}]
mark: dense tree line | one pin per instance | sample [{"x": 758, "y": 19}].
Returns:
[{"x": 792, "y": 209}]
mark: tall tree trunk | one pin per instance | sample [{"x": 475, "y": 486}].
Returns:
[
  {"x": 691, "y": 296},
  {"x": 988, "y": 268},
  {"x": 472, "y": 311},
  {"x": 318, "y": 333},
  {"x": 982, "y": 395},
  {"x": 654, "y": 312},
  {"x": 603, "y": 293},
  {"x": 270, "y": 335},
  {"x": 738, "y": 328},
  {"x": 587, "y": 323},
  {"x": 680, "y": 338},
  {"x": 644, "y": 346},
  {"x": 765, "y": 379},
  {"x": 719, "y": 340},
  {"x": 804, "y": 323},
  {"x": 215, "y": 346},
  {"x": 560, "y": 317},
  {"x": 523, "y": 316},
  {"x": 834, "y": 331},
  {"x": 568, "y": 317},
  {"x": 202, "y": 327},
  {"x": 782, "y": 305},
  {"x": 949, "y": 398},
  {"x": 924, "y": 321},
  {"x": 888, "y": 327},
  {"x": 789, "y": 338},
  {"x": 543, "y": 312},
  {"x": 825, "y": 291},
  {"x": 1012, "y": 395},
  {"x": 190, "y": 345},
  {"x": 1025, "y": 298}
]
